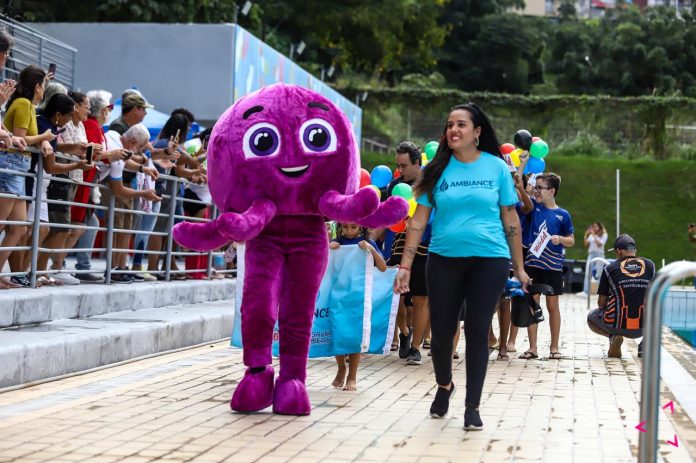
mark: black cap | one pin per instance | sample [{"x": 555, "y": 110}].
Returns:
[{"x": 625, "y": 243}]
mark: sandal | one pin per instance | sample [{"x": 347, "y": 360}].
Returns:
[
  {"x": 426, "y": 344},
  {"x": 529, "y": 355},
  {"x": 554, "y": 356},
  {"x": 394, "y": 347},
  {"x": 503, "y": 357}
]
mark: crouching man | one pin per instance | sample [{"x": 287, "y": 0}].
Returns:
[{"x": 622, "y": 290}]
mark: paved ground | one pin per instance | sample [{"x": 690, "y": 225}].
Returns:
[{"x": 174, "y": 408}]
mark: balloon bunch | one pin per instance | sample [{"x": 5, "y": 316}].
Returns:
[
  {"x": 537, "y": 148},
  {"x": 429, "y": 152},
  {"x": 379, "y": 178}
]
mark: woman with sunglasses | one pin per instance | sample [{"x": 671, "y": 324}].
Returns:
[{"x": 475, "y": 232}]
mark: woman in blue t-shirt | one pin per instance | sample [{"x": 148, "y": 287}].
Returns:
[{"x": 475, "y": 232}]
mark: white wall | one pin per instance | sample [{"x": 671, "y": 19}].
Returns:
[{"x": 173, "y": 65}]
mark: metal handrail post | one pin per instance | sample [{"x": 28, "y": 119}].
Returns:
[
  {"x": 213, "y": 216},
  {"x": 35, "y": 228},
  {"x": 588, "y": 266},
  {"x": 652, "y": 337},
  {"x": 174, "y": 188},
  {"x": 110, "y": 238}
]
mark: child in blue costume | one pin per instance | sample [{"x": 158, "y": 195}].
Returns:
[{"x": 347, "y": 234}]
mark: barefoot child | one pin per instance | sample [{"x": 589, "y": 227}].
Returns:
[{"x": 350, "y": 233}]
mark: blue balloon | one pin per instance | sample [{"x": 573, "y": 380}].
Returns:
[
  {"x": 535, "y": 166},
  {"x": 381, "y": 176}
]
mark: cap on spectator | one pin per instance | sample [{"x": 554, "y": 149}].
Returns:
[
  {"x": 624, "y": 243},
  {"x": 133, "y": 100}
]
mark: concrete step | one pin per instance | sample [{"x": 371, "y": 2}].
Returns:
[
  {"x": 29, "y": 306},
  {"x": 31, "y": 353}
]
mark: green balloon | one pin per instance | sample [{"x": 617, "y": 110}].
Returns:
[
  {"x": 403, "y": 190},
  {"x": 431, "y": 149},
  {"x": 539, "y": 149}
]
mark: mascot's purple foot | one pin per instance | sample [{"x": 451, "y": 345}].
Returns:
[
  {"x": 254, "y": 392},
  {"x": 290, "y": 397}
]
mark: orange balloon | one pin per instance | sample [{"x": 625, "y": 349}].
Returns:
[{"x": 398, "y": 227}]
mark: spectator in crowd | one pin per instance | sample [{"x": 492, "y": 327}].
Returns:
[
  {"x": 71, "y": 141},
  {"x": 594, "y": 240},
  {"x": 20, "y": 119},
  {"x": 134, "y": 140},
  {"x": 172, "y": 152},
  {"x": 550, "y": 230},
  {"x": 100, "y": 107},
  {"x": 7, "y": 88},
  {"x": 621, "y": 302},
  {"x": 56, "y": 113},
  {"x": 133, "y": 111}
]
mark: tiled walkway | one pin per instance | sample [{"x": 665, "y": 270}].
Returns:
[{"x": 174, "y": 408}]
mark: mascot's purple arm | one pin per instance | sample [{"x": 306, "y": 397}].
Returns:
[
  {"x": 230, "y": 226},
  {"x": 362, "y": 207}
]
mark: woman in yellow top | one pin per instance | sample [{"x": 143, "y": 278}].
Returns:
[{"x": 20, "y": 120}]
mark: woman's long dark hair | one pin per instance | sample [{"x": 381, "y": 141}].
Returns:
[
  {"x": 29, "y": 78},
  {"x": 58, "y": 104},
  {"x": 488, "y": 142},
  {"x": 175, "y": 122}
]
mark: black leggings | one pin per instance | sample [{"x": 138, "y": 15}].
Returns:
[{"x": 451, "y": 281}]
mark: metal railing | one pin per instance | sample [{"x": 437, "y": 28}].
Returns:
[
  {"x": 652, "y": 340},
  {"x": 35, "y": 223},
  {"x": 588, "y": 275},
  {"x": 34, "y": 47}
]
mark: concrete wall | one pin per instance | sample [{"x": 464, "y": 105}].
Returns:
[{"x": 174, "y": 65}]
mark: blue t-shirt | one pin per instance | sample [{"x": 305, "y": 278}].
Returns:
[
  {"x": 558, "y": 222},
  {"x": 468, "y": 197}
]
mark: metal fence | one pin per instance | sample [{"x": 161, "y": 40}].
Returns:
[
  {"x": 34, "y": 47},
  {"x": 109, "y": 230}
]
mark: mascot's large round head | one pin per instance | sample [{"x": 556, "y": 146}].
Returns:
[{"x": 283, "y": 143}]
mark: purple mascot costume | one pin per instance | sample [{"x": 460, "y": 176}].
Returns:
[{"x": 280, "y": 162}]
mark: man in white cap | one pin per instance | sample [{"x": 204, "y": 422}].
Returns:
[{"x": 621, "y": 303}]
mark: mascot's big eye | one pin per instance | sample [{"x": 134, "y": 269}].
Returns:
[
  {"x": 318, "y": 136},
  {"x": 261, "y": 140}
]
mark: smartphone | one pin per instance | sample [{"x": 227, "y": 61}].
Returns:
[
  {"x": 176, "y": 137},
  {"x": 206, "y": 139},
  {"x": 129, "y": 154},
  {"x": 59, "y": 130},
  {"x": 52, "y": 68},
  {"x": 88, "y": 154}
]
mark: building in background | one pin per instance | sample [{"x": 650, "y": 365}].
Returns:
[{"x": 594, "y": 8}]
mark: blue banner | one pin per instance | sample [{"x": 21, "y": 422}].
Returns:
[{"x": 355, "y": 309}]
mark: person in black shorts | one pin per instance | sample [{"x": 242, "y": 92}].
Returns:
[
  {"x": 621, "y": 302},
  {"x": 550, "y": 230}
]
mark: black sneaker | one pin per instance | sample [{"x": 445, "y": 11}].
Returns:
[
  {"x": 414, "y": 357},
  {"x": 472, "y": 419},
  {"x": 137, "y": 277},
  {"x": 405, "y": 344},
  {"x": 22, "y": 280},
  {"x": 441, "y": 403},
  {"x": 121, "y": 278}
]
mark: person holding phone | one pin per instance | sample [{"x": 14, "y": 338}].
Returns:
[
  {"x": 594, "y": 240},
  {"x": 135, "y": 139}
]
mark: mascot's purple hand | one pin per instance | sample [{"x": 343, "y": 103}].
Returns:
[
  {"x": 349, "y": 208},
  {"x": 247, "y": 225},
  {"x": 198, "y": 236},
  {"x": 390, "y": 212}
]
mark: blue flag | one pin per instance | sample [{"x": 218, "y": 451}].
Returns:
[{"x": 355, "y": 309}]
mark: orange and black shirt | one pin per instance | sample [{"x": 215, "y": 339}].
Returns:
[{"x": 625, "y": 283}]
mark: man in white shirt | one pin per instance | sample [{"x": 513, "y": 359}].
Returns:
[{"x": 135, "y": 139}]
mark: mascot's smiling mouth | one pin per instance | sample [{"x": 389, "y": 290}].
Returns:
[{"x": 294, "y": 172}]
